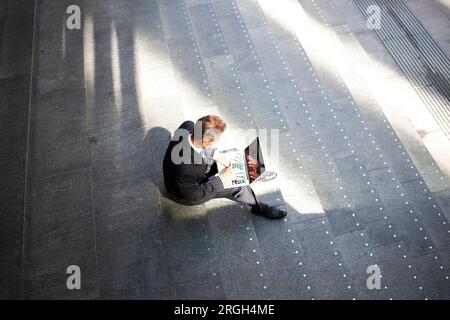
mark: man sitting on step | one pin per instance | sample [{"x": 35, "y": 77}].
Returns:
[{"x": 190, "y": 169}]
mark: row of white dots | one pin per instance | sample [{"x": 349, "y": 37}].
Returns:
[
  {"x": 398, "y": 186},
  {"x": 269, "y": 91},
  {"x": 381, "y": 155},
  {"x": 245, "y": 105},
  {"x": 313, "y": 125}
]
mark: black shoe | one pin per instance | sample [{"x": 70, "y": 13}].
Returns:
[{"x": 268, "y": 212}]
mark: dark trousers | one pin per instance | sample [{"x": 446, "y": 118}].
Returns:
[{"x": 244, "y": 195}]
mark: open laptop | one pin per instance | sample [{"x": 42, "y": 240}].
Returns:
[{"x": 248, "y": 165}]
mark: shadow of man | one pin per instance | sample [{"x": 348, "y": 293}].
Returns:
[{"x": 154, "y": 145}]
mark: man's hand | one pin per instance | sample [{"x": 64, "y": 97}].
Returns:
[{"x": 223, "y": 158}]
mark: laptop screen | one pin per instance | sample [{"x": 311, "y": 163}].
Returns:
[{"x": 254, "y": 160}]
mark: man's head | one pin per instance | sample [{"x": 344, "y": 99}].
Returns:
[{"x": 207, "y": 130}]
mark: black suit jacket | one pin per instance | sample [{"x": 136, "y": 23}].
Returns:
[{"x": 187, "y": 182}]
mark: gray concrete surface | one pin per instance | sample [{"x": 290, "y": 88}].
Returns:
[
  {"x": 16, "y": 38},
  {"x": 359, "y": 183}
]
